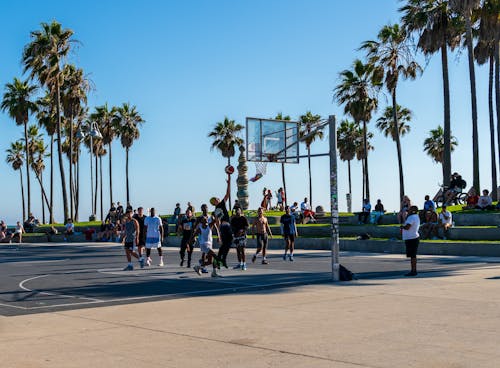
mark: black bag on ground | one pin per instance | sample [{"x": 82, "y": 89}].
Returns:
[{"x": 345, "y": 274}]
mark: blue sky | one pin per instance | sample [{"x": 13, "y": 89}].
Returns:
[{"x": 187, "y": 64}]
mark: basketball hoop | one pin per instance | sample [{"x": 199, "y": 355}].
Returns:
[{"x": 260, "y": 168}]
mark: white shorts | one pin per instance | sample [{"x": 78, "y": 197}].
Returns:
[
  {"x": 153, "y": 245},
  {"x": 205, "y": 247}
]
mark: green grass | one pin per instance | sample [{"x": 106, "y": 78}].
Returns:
[{"x": 77, "y": 224}]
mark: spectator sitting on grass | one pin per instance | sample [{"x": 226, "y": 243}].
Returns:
[
  {"x": 69, "y": 229},
  {"x": 445, "y": 222},
  {"x": 295, "y": 212},
  {"x": 405, "y": 206},
  {"x": 4, "y": 236},
  {"x": 472, "y": 199},
  {"x": 379, "y": 212},
  {"x": 430, "y": 224},
  {"x": 485, "y": 202},
  {"x": 307, "y": 212},
  {"x": 429, "y": 204},
  {"x": 365, "y": 212}
]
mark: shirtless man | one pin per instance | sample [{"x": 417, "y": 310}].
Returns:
[
  {"x": 261, "y": 226},
  {"x": 130, "y": 239}
]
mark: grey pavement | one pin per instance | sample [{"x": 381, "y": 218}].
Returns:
[{"x": 287, "y": 315}]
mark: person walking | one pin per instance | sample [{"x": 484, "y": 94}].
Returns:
[
  {"x": 239, "y": 226},
  {"x": 411, "y": 238},
  {"x": 261, "y": 227},
  {"x": 186, "y": 229},
  {"x": 141, "y": 243},
  {"x": 130, "y": 239},
  {"x": 289, "y": 232},
  {"x": 154, "y": 236}
]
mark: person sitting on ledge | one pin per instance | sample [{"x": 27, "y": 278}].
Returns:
[
  {"x": 365, "y": 212},
  {"x": 472, "y": 199},
  {"x": 430, "y": 224},
  {"x": 378, "y": 213},
  {"x": 485, "y": 202},
  {"x": 307, "y": 212},
  {"x": 405, "y": 206},
  {"x": 445, "y": 222}
]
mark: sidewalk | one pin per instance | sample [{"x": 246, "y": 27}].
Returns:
[{"x": 449, "y": 321}]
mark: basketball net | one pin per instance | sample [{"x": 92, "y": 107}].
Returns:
[{"x": 260, "y": 171}]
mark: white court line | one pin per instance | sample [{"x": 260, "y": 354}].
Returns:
[
  {"x": 21, "y": 285},
  {"x": 31, "y": 262}
]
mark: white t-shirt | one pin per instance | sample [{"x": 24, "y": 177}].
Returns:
[
  {"x": 70, "y": 226},
  {"x": 153, "y": 231},
  {"x": 444, "y": 220},
  {"x": 305, "y": 206},
  {"x": 412, "y": 232}
]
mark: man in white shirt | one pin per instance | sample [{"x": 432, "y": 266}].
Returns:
[
  {"x": 411, "y": 238},
  {"x": 307, "y": 212},
  {"x": 154, "y": 236},
  {"x": 445, "y": 221},
  {"x": 485, "y": 201}
]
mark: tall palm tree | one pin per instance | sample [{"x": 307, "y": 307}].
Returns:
[
  {"x": 309, "y": 131},
  {"x": 434, "y": 145},
  {"x": 47, "y": 119},
  {"x": 280, "y": 116},
  {"x": 435, "y": 26},
  {"x": 361, "y": 148},
  {"x": 15, "y": 157},
  {"x": 357, "y": 91},
  {"x": 74, "y": 89},
  {"x": 464, "y": 9},
  {"x": 38, "y": 166},
  {"x": 17, "y": 101},
  {"x": 393, "y": 55},
  {"x": 129, "y": 121},
  {"x": 485, "y": 51},
  {"x": 225, "y": 135},
  {"x": 106, "y": 119},
  {"x": 349, "y": 138},
  {"x": 43, "y": 57}
]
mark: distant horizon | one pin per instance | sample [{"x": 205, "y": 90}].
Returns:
[{"x": 186, "y": 65}]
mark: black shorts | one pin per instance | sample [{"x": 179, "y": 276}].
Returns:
[
  {"x": 262, "y": 241},
  {"x": 412, "y": 247},
  {"x": 129, "y": 245},
  {"x": 290, "y": 237}
]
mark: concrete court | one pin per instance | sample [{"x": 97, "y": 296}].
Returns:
[{"x": 443, "y": 318}]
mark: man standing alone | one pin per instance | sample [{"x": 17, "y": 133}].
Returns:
[{"x": 411, "y": 238}]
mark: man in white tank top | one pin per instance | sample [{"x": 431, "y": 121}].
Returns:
[{"x": 208, "y": 256}]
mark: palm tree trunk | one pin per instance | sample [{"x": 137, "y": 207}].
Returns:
[
  {"x": 229, "y": 183},
  {"x": 472, "y": 78},
  {"x": 41, "y": 194},
  {"x": 26, "y": 148},
  {"x": 283, "y": 178},
  {"x": 77, "y": 186},
  {"x": 44, "y": 194},
  {"x": 494, "y": 195},
  {"x": 110, "y": 177},
  {"x": 60, "y": 154},
  {"x": 100, "y": 175},
  {"x": 366, "y": 162},
  {"x": 364, "y": 179},
  {"x": 446, "y": 128},
  {"x": 398, "y": 146},
  {"x": 51, "y": 206},
  {"x": 96, "y": 184},
  {"x": 310, "y": 177},
  {"x": 497, "y": 90},
  {"x": 22, "y": 193},
  {"x": 71, "y": 191},
  {"x": 126, "y": 174},
  {"x": 349, "y": 207}
]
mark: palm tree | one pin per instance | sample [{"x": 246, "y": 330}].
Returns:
[
  {"x": 44, "y": 57},
  {"x": 309, "y": 131},
  {"x": 73, "y": 94},
  {"x": 434, "y": 24},
  {"x": 357, "y": 91},
  {"x": 349, "y": 138},
  {"x": 38, "y": 166},
  {"x": 226, "y": 137},
  {"x": 464, "y": 9},
  {"x": 47, "y": 119},
  {"x": 128, "y": 120},
  {"x": 434, "y": 146},
  {"x": 485, "y": 51},
  {"x": 393, "y": 55},
  {"x": 106, "y": 119},
  {"x": 17, "y": 101},
  {"x": 280, "y": 116},
  {"x": 360, "y": 151},
  {"x": 15, "y": 157}
]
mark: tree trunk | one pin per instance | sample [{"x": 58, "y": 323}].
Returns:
[
  {"x": 60, "y": 154},
  {"x": 310, "y": 177},
  {"x": 497, "y": 89},
  {"x": 494, "y": 195},
  {"x": 96, "y": 183},
  {"x": 126, "y": 174},
  {"x": 77, "y": 185},
  {"x": 26, "y": 148},
  {"x": 472, "y": 78},
  {"x": 22, "y": 193},
  {"x": 71, "y": 190},
  {"x": 41, "y": 194},
  {"x": 398, "y": 146},
  {"x": 51, "y": 206},
  {"x": 229, "y": 178},
  {"x": 44, "y": 195},
  {"x": 100, "y": 176},
  {"x": 364, "y": 179},
  {"x": 110, "y": 177},
  {"x": 349, "y": 206},
  {"x": 446, "y": 128},
  {"x": 366, "y": 162},
  {"x": 284, "y": 182}
]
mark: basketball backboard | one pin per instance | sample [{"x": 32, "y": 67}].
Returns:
[{"x": 269, "y": 140}]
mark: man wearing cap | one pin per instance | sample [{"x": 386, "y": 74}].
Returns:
[{"x": 411, "y": 238}]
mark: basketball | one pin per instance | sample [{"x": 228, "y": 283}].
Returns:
[{"x": 229, "y": 169}]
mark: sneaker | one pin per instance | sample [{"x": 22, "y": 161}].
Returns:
[
  {"x": 141, "y": 262},
  {"x": 254, "y": 258},
  {"x": 128, "y": 268},
  {"x": 182, "y": 263},
  {"x": 244, "y": 267},
  {"x": 161, "y": 264},
  {"x": 224, "y": 263},
  {"x": 204, "y": 270},
  {"x": 411, "y": 273},
  {"x": 291, "y": 258},
  {"x": 197, "y": 269},
  {"x": 149, "y": 261},
  {"x": 189, "y": 264},
  {"x": 214, "y": 274},
  {"x": 265, "y": 261},
  {"x": 237, "y": 267},
  {"x": 284, "y": 257}
]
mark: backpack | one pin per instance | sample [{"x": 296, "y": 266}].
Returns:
[{"x": 345, "y": 274}]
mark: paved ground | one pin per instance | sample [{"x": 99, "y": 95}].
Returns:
[{"x": 47, "y": 278}]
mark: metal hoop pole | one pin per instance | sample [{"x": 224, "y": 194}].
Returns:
[{"x": 333, "y": 199}]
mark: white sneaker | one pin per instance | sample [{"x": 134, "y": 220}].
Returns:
[
  {"x": 197, "y": 269},
  {"x": 149, "y": 261},
  {"x": 161, "y": 264}
]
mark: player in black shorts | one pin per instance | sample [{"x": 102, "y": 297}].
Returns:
[
  {"x": 186, "y": 228},
  {"x": 289, "y": 232},
  {"x": 140, "y": 217},
  {"x": 224, "y": 229}
]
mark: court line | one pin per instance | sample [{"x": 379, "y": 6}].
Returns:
[{"x": 30, "y": 262}]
